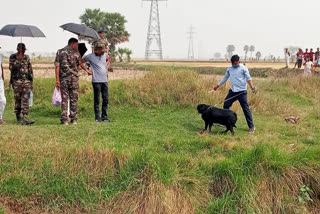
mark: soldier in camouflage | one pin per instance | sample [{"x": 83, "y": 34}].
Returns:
[
  {"x": 67, "y": 65},
  {"x": 102, "y": 41},
  {"x": 22, "y": 83}
]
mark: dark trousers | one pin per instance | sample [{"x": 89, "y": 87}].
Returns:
[
  {"x": 101, "y": 88},
  {"x": 242, "y": 98}
]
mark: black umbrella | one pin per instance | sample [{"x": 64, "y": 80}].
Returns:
[
  {"x": 21, "y": 31},
  {"x": 81, "y": 30},
  {"x": 82, "y": 49}
]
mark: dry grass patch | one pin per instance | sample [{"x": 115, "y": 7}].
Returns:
[
  {"x": 281, "y": 194},
  {"x": 152, "y": 197}
]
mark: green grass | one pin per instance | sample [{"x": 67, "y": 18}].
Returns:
[
  {"x": 152, "y": 153},
  {"x": 255, "y": 72},
  {"x": 208, "y": 70}
]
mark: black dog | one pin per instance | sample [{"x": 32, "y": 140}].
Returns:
[{"x": 212, "y": 115}]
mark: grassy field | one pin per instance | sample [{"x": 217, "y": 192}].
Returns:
[
  {"x": 216, "y": 64},
  {"x": 151, "y": 159},
  {"x": 257, "y": 69}
]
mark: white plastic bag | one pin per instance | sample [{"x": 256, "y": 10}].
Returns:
[
  {"x": 31, "y": 98},
  {"x": 56, "y": 97}
]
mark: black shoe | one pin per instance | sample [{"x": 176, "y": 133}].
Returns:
[
  {"x": 106, "y": 121},
  {"x": 18, "y": 116},
  {"x": 65, "y": 123},
  {"x": 98, "y": 120},
  {"x": 26, "y": 121},
  {"x": 73, "y": 122}
]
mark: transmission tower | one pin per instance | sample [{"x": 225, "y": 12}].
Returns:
[
  {"x": 191, "y": 37},
  {"x": 154, "y": 32}
]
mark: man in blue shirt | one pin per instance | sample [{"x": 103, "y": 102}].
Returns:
[
  {"x": 97, "y": 61},
  {"x": 239, "y": 77}
]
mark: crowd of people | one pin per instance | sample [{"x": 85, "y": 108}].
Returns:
[
  {"x": 68, "y": 63},
  {"x": 309, "y": 59}
]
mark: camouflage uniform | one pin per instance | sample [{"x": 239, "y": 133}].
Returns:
[
  {"x": 21, "y": 79},
  {"x": 103, "y": 42},
  {"x": 68, "y": 61}
]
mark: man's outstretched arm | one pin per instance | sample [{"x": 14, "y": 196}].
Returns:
[{"x": 225, "y": 78}]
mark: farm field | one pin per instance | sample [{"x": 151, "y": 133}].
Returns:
[
  {"x": 152, "y": 159},
  {"x": 219, "y": 64}
]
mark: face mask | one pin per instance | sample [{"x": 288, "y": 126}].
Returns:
[{"x": 236, "y": 66}]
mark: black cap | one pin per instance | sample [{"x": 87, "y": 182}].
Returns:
[
  {"x": 21, "y": 46},
  {"x": 100, "y": 31}
]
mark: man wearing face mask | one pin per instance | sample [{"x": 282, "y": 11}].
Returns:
[
  {"x": 22, "y": 83},
  {"x": 67, "y": 63},
  {"x": 239, "y": 77}
]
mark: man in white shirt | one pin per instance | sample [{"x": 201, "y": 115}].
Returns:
[
  {"x": 2, "y": 96},
  {"x": 308, "y": 65},
  {"x": 287, "y": 57}
]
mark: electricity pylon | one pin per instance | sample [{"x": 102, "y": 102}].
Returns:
[
  {"x": 154, "y": 32},
  {"x": 191, "y": 37}
]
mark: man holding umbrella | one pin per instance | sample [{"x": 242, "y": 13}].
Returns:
[
  {"x": 22, "y": 83},
  {"x": 67, "y": 63}
]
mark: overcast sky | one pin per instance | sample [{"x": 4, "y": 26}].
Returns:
[{"x": 270, "y": 25}]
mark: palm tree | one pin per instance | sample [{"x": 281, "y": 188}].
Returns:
[
  {"x": 113, "y": 24},
  {"x": 251, "y": 49},
  {"x": 128, "y": 54},
  {"x": 258, "y": 55},
  {"x": 245, "y": 49},
  {"x": 121, "y": 52},
  {"x": 230, "y": 50}
]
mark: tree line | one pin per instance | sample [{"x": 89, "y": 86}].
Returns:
[{"x": 231, "y": 48}]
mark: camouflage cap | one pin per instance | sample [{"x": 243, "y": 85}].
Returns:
[
  {"x": 21, "y": 46},
  {"x": 100, "y": 45}
]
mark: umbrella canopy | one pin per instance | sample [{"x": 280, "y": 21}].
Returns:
[
  {"x": 21, "y": 31},
  {"x": 81, "y": 30},
  {"x": 82, "y": 49}
]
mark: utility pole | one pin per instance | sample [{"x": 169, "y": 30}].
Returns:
[
  {"x": 154, "y": 32},
  {"x": 191, "y": 37}
]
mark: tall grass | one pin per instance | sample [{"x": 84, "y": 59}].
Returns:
[
  {"x": 180, "y": 88},
  {"x": 264, "y": 180}
]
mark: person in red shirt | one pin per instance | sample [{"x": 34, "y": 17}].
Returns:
[
  {"x": 311, "y": 54},
  {"x": 306, "y": 54}
]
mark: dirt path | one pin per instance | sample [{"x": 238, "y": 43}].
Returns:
[{"x": 47, "y": 71}]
